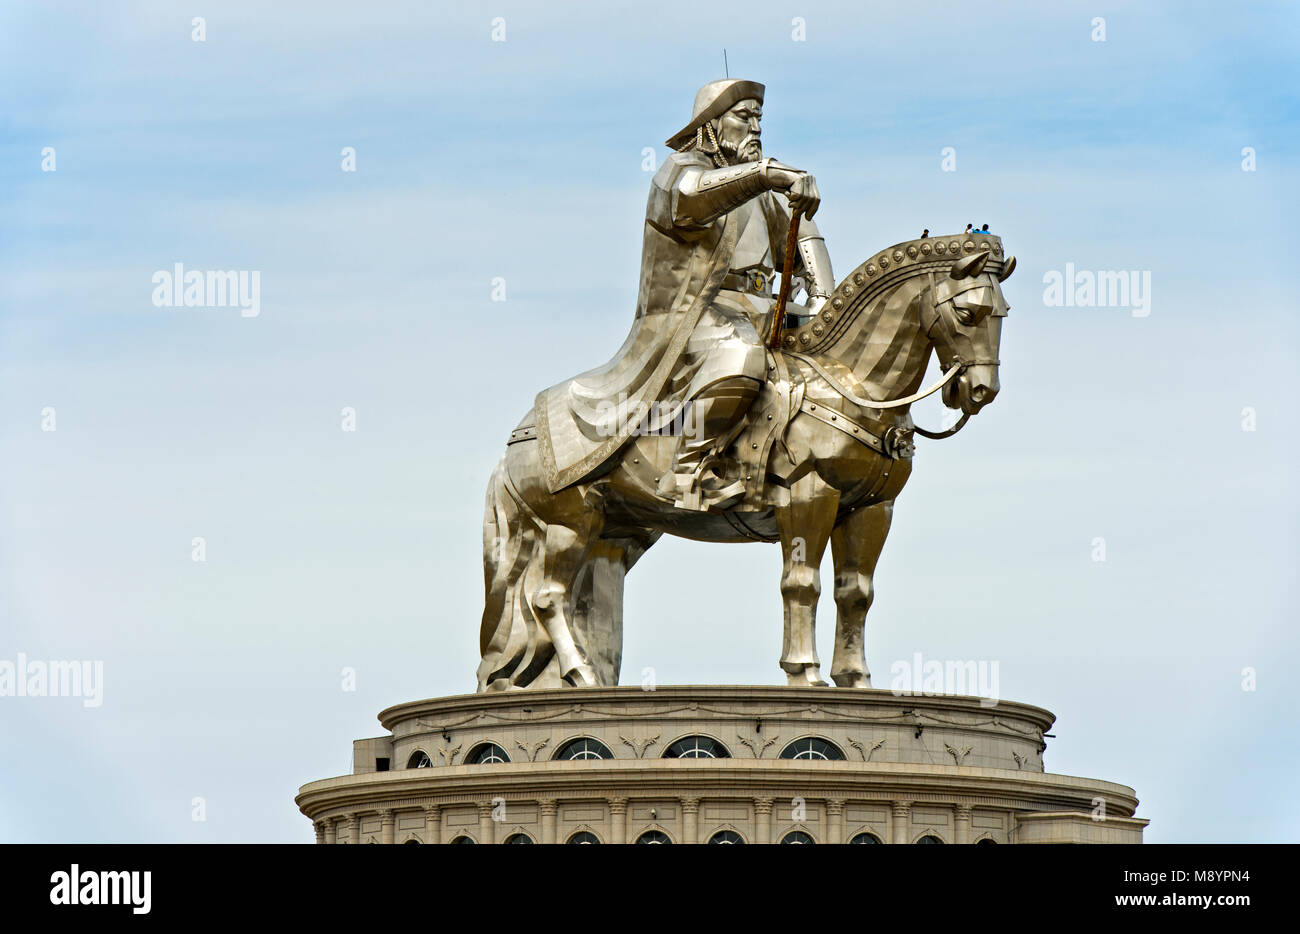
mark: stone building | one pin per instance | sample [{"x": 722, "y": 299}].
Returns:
[{"x": 698, "y": 764}]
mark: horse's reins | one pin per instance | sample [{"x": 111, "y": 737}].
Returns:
[
  {"x": 895, "y": 403},
  {"x": 774, "y": 343}
]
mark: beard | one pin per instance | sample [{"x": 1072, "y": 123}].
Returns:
[{"x": 749, "y": 149}]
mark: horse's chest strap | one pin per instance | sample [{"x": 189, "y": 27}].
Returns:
[{"x": 895, "y": 443}]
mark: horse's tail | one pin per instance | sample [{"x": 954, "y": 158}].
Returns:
[{"x": 514, "y": 646}]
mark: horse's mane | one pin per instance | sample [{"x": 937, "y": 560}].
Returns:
[{"x": 880, "y": 275}]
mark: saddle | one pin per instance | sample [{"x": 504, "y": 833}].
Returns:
[{"x": 758, "y": 456}]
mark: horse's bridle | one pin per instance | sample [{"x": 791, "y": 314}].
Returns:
[
  {"x": 894, "y": 403},
  {"x": 958, "y": 365}
]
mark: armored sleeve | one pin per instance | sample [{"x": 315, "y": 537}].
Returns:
[
  {"x": 812, "y": 262},
  {"x": 815, "y": 260},
  {"x": 701, "y": 196}
]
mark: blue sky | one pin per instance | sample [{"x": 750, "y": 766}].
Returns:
[{"x": 523, "y": 159}]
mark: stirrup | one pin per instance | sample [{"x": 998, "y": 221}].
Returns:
[{"x": 728, "y": 496}]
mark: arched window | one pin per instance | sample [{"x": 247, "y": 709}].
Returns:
[
  {"x": 726, "y": 836},
  {"x": 812, "y": 747},
  {"x": 797, "y": 836},
  {"x": 412, "y": 840},
  {"x": 462, "y": 840},
  {"x": 653, "y": 836},
  {"x": 929, "y": 838},
  {"x": 419, "y": 760},
  {"x": 865, "y": 837},
  {"x": 519, "y": 838},
  {"x": 486, "y": 754},
  {"x": 584, "y": 748},
  {"x": 988, "y": 840},
  {"x": 697, "y": 747},
  {"x": 583, "y": 836}
]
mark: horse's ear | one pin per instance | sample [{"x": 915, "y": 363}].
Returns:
[
  {"x": 969, "y": 265},
  {"x": 1008, "y": 268}
]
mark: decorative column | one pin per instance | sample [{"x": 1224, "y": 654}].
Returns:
[
  {"x": 548, "y": 807},
  {"x": 618, "y": 820},
  {"x": 762, "y": 820},
  {"x": 320, "y": 831},
  {"x": 485, "y": 828},
  {"x": 433, "y": 824},
  {"x": 352, "y": 824},
  {"x": 387, "y": 826},
  {"x": 963, "y": 823},
  {"x": 898, "y": 828},
  {"x": 332, "y": 830},
  {"x": 834, "y": 820},
  {"x": 690, "y": 820}
]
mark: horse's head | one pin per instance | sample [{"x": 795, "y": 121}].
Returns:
[
  {"x": 968, "y": 308},
  {"x": 883, "y": 318}
]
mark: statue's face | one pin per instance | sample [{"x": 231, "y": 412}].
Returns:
[{"x": 739, "y": 132}]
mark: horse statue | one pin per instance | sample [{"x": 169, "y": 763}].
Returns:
[{"x": 826, "y": 450}]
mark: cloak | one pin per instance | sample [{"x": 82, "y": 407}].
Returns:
[{"x": 585, "y": 421}]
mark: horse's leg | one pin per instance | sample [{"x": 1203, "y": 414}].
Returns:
[
  {"x": 805, "y": 526},
  {"x": 566, "y": 550},
  {"x": 855, "y": 549},
  {"x": 598, "y": 601}
]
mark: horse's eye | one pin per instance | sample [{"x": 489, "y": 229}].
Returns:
[{"x": 965, "y": 317}]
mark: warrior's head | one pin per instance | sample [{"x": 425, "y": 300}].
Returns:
[{"x": 725, "y": 123}]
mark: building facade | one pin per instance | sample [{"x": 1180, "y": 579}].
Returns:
[{"x": 725, "y": 765}]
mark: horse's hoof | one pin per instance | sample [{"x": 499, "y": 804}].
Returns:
[
  {"x": 810, "y": 677},
  {"x": 851, "y": 679},
  {"x": 584, "y": 676}
]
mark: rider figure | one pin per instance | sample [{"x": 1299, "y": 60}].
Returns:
[{"x": 718, "y": 176}]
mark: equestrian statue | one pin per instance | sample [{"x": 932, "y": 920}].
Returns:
[{"x": 733, "y": 414}]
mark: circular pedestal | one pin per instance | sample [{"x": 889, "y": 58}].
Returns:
[{"x": 693, "y": 764}]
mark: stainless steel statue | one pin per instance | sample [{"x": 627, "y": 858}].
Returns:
[{"x": 697, "y": 428}]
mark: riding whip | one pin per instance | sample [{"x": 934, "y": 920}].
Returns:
[{"x": 787, "y": 272}]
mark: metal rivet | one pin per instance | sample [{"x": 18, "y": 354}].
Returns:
[{"x": 754, "y": 445}]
